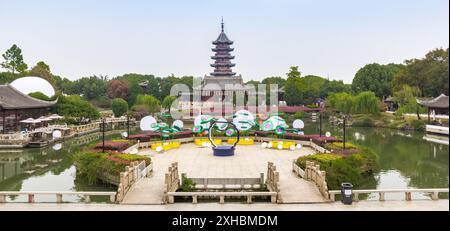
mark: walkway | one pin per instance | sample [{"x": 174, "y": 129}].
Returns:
[
  {"x": 249, "y": 161},
  {"x": 426, "y": 205}
]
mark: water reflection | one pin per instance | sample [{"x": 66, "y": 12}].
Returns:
[
  {"x": 406, "y": 159},
  {"x": 46, "y": 169}
]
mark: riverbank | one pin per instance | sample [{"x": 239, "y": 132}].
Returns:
[
  {"x": 390, "y": 120},
  {"x": 422, "y": 205}
]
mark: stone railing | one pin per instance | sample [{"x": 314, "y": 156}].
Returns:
[
  {"x": 130, "y": 176},
  {"x": 18, "y": 139},
  {"x": 222, "y": 195},
  {"x": 297, "y": 170},
  {"x": 313, "y": 173},
  {"x": 227, "y": 183},
  {"x": 273, "y": 180},
  {"x": 59, "y": 195},
  {"x": 381, "y": 192},
  {"x": 172, "y": 182}
]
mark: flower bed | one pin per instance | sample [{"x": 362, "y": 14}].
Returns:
[
  {"x": 94, "y": 166},
  {"x": 112, "y": 146},
  {"x": 356, "y": 167}
]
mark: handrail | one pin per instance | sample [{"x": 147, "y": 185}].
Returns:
[
  {"x": 221, "y": 195},
  {"x": 435, "y": 193},
  {"x": 58, "y": 194}
]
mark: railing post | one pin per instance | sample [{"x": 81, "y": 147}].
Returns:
[
  {"x": 222, "y": 199},
  {"x": 382, "y": 198},
  {"x": 112, "y": 198},
  {"x": 249, "y": 199},
  {"x": 194, "y": 199},
  {"x": 332, "y": 197},
  {"x": 87, "y": 198},
  {"x": 356, "y": 197},
  {"x": 2, "y": 198},
  {"x": 30, "y": 198},
  {"x": 408, "y": 196},
  {"x": 435, "y": 196},
  {"x": 59, "y": 198}
]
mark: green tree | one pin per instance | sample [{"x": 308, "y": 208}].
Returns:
[
  {"x": 39, "y": 95},
  {"x": 151, "y": 103},
  {"x": 293, "y": 87},
  {"x": 376, "y": 78},
  {"x": 13, "y": 60},
  {"x": 168, "y": 101},
  {"x": 406, "y": 99},
  {"x": 429, "y": 74},
  {"x": 41, "y": 69},
  {"x": 119, "y": 107},
  {"x": 366, "y": 103},
  {"x": 74, "y": 106},
  {"x": 342, "y": 102},
  {"x": 89, "y": 87}
]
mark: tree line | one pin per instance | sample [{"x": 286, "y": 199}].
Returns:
[{"x": 142, "y": 93}]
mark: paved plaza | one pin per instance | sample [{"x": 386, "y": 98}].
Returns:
[{"x": 249, "y": 161}]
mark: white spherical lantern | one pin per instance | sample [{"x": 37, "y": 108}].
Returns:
[
  {"x": 299, "y": 146},
  {"x": 264, "y": 145},
  {"x": 280, "y": 147},
  {"x": 57, "y": 134},
  {"x": 328, "y": 134},
  {"x": 159, "y": 149},
  {"x": 292, "y": 147},
  {"x": 269, "y": 145}
]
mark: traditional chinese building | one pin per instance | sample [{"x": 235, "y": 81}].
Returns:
[
  {"x": 16, "y": 106},
  {"x": 222, "y": 85},
  {"x": 436, "y": 106}
]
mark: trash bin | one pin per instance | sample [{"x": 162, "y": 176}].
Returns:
[{"x": 346, "y": 193}]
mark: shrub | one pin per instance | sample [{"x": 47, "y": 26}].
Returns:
[
  {"x": 298, "y": 115},
  {"x": 112, "y": 146},
  {"x": 187, "y": 184},
  {"x": 151, "y": 103},
  {"x": 119, "y": 107},
  {"x": 354, "y": 168},
  {"x": 363, "y": 122},
  {"x": 418, "y": 125},
  {"x": 94, "y": 166}
]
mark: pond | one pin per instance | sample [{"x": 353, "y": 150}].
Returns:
[
  {"x": 47, "y": 169},
  {"x": 406, "y": 160}
]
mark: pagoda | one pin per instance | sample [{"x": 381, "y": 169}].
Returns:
[
  {"x": 222, "y": 65},
  {"x": 222, "y": 84}
]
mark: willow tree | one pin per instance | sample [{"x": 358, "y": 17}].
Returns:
[{"x": 366, "y": 103}]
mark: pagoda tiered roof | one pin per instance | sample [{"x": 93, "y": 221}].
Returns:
[{"x": 222, "y": 57}]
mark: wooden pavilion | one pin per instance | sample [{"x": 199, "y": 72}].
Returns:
[{"x": 16, "y": 106}]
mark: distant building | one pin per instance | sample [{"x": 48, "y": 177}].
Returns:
[
  {"x": 16, "y": 106},
  {"x": 436, "y": 106},
  {"x": 220, "y": 87}
]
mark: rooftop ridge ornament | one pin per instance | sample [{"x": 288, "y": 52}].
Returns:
[{"x": 222, "y": 24}]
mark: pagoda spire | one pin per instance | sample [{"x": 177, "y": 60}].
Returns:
[{"x": 222, "y": 57}]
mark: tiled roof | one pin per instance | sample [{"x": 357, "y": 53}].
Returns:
[
  {"x": 11, "y": 98},
  {"x": 439, "y": 102}
]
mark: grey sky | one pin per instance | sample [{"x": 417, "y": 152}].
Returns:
[{"x": 327, "y": 38}]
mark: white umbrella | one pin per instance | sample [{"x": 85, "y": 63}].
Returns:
[
  {"x": 28, "y": 121},
  {"x": 55, "y": 117},
  {"x": 43, "y": 119}
]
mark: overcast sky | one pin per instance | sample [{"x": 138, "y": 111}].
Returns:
[{"x": 327, "y": 38}]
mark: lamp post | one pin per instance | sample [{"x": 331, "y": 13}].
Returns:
[
  {"x": 345, "y": 120},
  {"x": 320, "y": 124},
  {"x": 128, "y": 125},
  {"x": 103, "y": 135}
]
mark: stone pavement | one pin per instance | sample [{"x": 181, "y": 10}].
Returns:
[
  {"x": 249, "y": 161},
  {"x": 419, "y": 205}
]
